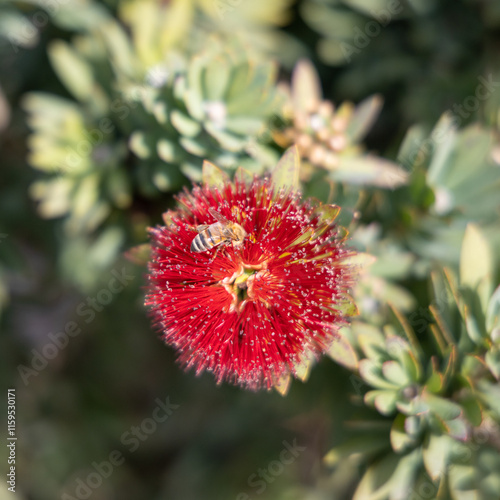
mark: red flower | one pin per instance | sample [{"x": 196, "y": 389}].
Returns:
[{"x": 253, "y": 312}]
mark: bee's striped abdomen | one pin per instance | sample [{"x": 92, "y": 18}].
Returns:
[{"x": 203, "y": 241}]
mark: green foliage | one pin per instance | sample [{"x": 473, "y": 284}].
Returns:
[
  {"x": 212, "y": 110},
  {"x": 439, "y": 397}
]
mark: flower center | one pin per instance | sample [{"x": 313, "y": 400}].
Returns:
[{"x": 240, "y": 284}]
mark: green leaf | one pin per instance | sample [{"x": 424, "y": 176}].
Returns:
[
  {"x": 492, "y": 359},
  {"x": 371, "y": 374},
  {"x": 193, "y": 101},
  {"x": 393, "y": 372},
  {"x": 88, "y": 16},
  {"x": 493, "y": 312},
  {"x": 176, "y": 21},
  {"x": 345, "y": 304},
  {"x": 282, "y": 386},
  {"x": 437, "y": 452},
  {"x": 463, "y": 481},
  {"x": 383, "y": 400},
  {"x": 75, "y": 73},
  {"x": 401, "y": 440},
  {"x": 54, "y": 196},
  {"x": 411, "y": 366},
  {"x": 227, "y": 140},
  {"x": 363, "y": 118},
  {"x": 415, "y": 407},
  {"x": 213, "y": 175},
  {"x": 184, "y": 124},
  {"x": 168, "y": 151},
  {"x": 242, "y": 175},
  {"x": 409, "y": 332},
  {"x": 215, "y": 79},
  {"x": 326, "y": 217},
  {"x": 458, "y": 428},
  {"x": 194, "y": 146},
  {"x": 434, "y": 383},
  {"x": 489, "y": 393},
  {"x": 441, "y": 163},
  {"x": 472, "y": 147},
  {"x": 476, "y": 260},
  {"x": 409, "y": 153},
  {"x": 160, "y": 112},
  {"x": 165, "y": 177},
  {"x": 393, "y": 264},
  {"x": 474, "y": 327},
  {"x": 444, "y": 408},
  {"x": 244, "y": 125},
  {"x": 472, "y": 410},
  {"x": 302, "y": 370},
  {"x": 306, "y": 87},
  {"x": 286, "y": 173},
  {"x": 369, "y": 9},
  {"x": 141, "y": 145},
  {"x": 343, "y": 353},
  {"x": 389, "y": 477},
  {"x": 356, "y": 449},
  {"x": 18, "y": 29},
  {"x": 369, "y": 170},
  {"x": 120, "y": 46},
  {"x": 371, "y": 340},
  {"x": 85, "y": 196}
]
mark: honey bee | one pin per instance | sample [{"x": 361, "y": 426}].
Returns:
[{"x": 222, "y": 232}]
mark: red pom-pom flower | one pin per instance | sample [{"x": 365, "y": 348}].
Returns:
[{"x": 255, "y": 306}]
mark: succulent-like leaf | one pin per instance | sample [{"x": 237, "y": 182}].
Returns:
[
  {"x": 409, "y": 332},
  {"x": 343, "y": 353},
  {"x": 383, "y": 400},
  {"x": 369, "y": 171},
  {"x": 282, "y": 386},
  {"x": 141, "y": 145},
  {"x": 472, "y": 410},
  {"x": 213, "y": 175},
  {"x": 370, "y": 372},
  {"x": 371, "y": 341},
  {"x": 363, "y": 117},
  {"x": 306, "y": 88},
  {"x": 75, "y": 72},
  {"x": 389, "y": 477},
  {"x": 441, "y": 163},
  {"x": 458, "y": 428},
  {"x": 356, "y": 449},
  {"x": 286, "y": 173},
  {"x": 442, "y": 407},
  {"x": 474, "y": 326},
  {"x": 492, "y": 359},
  {"x": 476, "y": 261},
  {"x": 437, "y": 453},
  {"x": 493, "y": 312},
  {"x": 303, "y": 369},
  {"x": 394, "y": 372},
  {"x": 184, "y": 124},
  {"x": 401, "y": 440}
]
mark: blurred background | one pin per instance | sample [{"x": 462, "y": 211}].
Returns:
[{"x": 107, "y": 109}]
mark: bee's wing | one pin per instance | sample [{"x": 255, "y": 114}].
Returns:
[
  {"x": 202, "y": 227},
  {"x": 218, "y": 217},
  {"x": 229, "y": 233}
]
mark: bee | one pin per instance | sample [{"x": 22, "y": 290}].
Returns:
[{"x": 222, "y": 232}]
